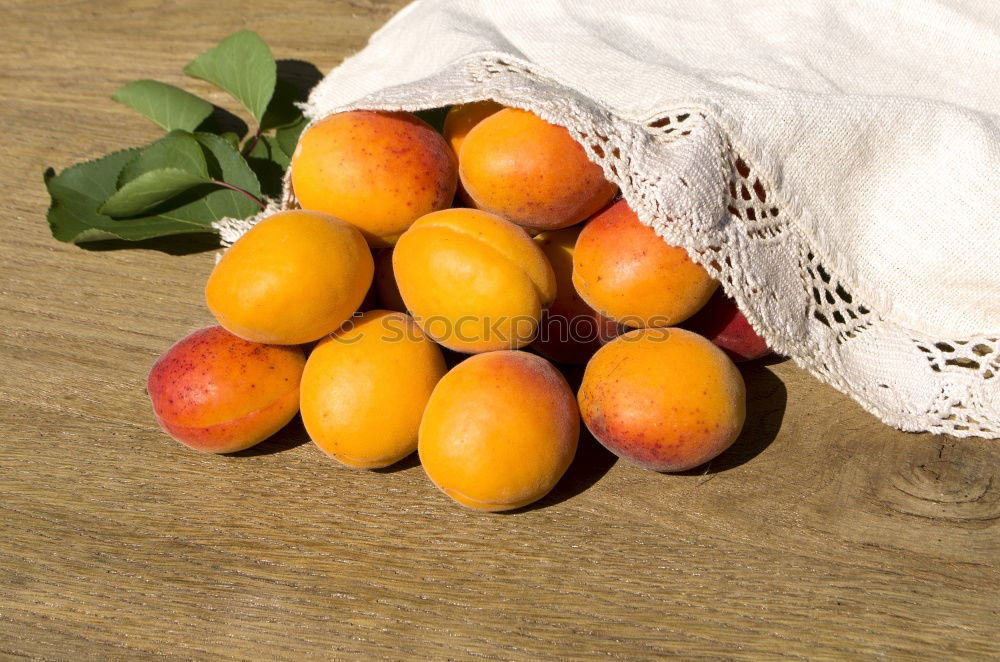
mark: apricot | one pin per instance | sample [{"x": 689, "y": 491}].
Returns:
[
  {"x": 570, "y": 331},
  {"x": 379, "y": 171},
  {"x": 218, "y": 393},
  {"x": 457, "y": 124},
  {"x": 461, "y": 118},
  {"x": 518, "y": 166},
  {"x": 722, "y": 322},
  {"x": 473, "y": 281},
  {"x": 365, "y": 387},
  {"x": 291, "y": 279},
  {"x": 385, "y": 282},
  {"x": 665, "y": 399},
  {"x": 625, "y": 271},
  {"x": 499, "y": 430}
]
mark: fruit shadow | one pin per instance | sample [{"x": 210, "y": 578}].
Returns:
[
  {"x": 410, "y": 461},
  {"x": 291, "y": 436},
  {"x": 766, "y": 401},
  {"x": 770, "y": 359},
  {"x": 592, "y": 461}
]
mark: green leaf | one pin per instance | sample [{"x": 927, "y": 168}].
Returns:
[
  {"x": 79, "y": 190},
  {"x": 232, "y": 138},
  {"x": 105, "y": 227},
  {"x": 269, "y": 148},
  {"x": 281, "y": 111},
  {"x": 168, "y": 106},
  {"x": 174, "y": 186},
  {"x": 178, "y": 149},
  {"x": 288, "y": 136},
  {"x": 243, "y": 66},
  {"x": 149, "y": 190},
  {"x": 154, "y": 188},
  {"x": 269, "y": 162},
  {"x": 226, "y": 164}
]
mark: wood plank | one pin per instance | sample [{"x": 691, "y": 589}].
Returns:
[{"x": 821, "y": 534}]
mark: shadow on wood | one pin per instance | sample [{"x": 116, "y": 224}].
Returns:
[
  {"x": 766, "y": 401},
  {"x": 291, "y": 436},
  {"x": 592, "y": 461},
  {"x": 408, "y": 462}
]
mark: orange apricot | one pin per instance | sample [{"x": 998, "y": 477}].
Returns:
[
  {"x": 625, "y": 271},
  {"x": 461, "y": 118},
  {"x": 518, "y": 166},
  {"x": 571, "y": 331},
  {"x": 499, "y": 430},
  {"x": 665, "y": 399},
  {"x": 365, "y": 387},
  {"x": 473, "y": 281},
  {"x": 291, "y": 279},
  {"x": 215, "y": 392},
  {"x": 457, "y": 124},
  {"x": 379, "y": 171}
]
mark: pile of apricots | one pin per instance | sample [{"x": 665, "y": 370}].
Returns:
[{"x": 494, "y": 247}]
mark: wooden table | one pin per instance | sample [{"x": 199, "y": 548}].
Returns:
[{"x": 821, "y": 534}]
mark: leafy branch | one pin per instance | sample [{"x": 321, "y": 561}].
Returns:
[{"x": 195, "y": 174}]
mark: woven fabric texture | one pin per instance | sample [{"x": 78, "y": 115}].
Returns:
[{"x": 834, "y": 163}]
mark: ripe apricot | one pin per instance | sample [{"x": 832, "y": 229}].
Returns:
[
  {"x": 473, "y": 281},
  {"x": 570, "y": 331},
  {"x": 722, "y": 322},
  {"x": 457, "y": 124},
  {"x": 365, "y": 387},
  {"x": 499, "y": 430},
  {"x": 379, "y": 171},
  {"x": 293, "y": 278},
  {"x": 461, "y": 118},
  {"x": 518, "y": 166},
  {"x": 218, "y": 393},
  {"x": 665, "y": 398},
  {"x": 625, "y": 271}
]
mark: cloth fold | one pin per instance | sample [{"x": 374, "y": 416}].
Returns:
[{"x": 835, "y": 162}]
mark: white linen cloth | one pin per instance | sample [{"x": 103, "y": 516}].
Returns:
[{"x": 837, "y": 162}]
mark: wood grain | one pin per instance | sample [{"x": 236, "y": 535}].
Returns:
[{"x": 822, "y": 534}]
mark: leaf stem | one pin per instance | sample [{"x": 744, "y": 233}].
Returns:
[
  {"x": 248, "y": 149},
  {"x": 250, "y": 195}
]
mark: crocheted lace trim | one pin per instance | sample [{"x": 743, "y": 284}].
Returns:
[{"x": 687, "y": 173}]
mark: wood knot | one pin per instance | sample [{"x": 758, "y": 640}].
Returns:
[{"x": 950, "y": 482}]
